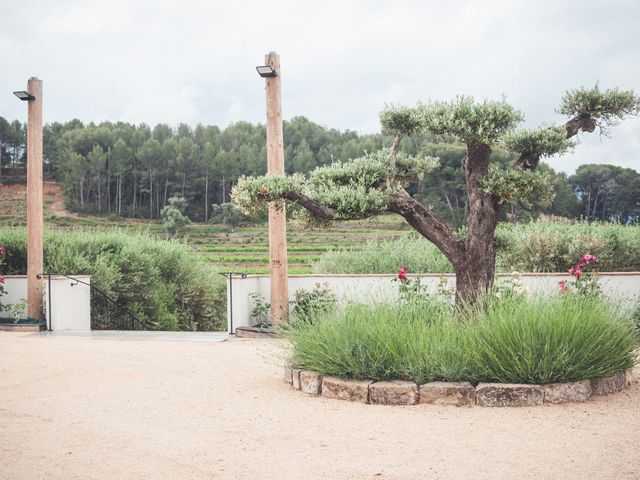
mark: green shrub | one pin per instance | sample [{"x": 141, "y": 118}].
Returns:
[
  {"x": 173, "y": 218},
  {"x": 515, "y": 341},
  {"x": 556, "y": 340},
  {"x": 159, "y": 280},
  {"x": 554, "y": 247},
  {"x": 534, "y": 247},
  {"x": 412, "y": 251},
  {"x": 307, "y": 305}
]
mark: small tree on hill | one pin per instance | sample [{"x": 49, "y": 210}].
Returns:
[
  {"x": 173, "y": 218},
  {"x": 376, "y": 182}
]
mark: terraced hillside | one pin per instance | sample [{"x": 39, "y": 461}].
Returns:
[
  {"x": 243, "y": 249},
  {"x": 246, "y": 249}
]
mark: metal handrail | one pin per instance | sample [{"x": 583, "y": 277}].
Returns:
[{"x": 143, "y": 323}]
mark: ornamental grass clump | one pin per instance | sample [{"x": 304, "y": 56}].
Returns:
[
  {"x": 515, "y": 340},
  {"x": 382, "y": 342},
  {"x": 559, "y": 339}
]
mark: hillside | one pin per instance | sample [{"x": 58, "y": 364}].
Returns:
[
  {"x": 241, "y": 249},
  {"x": 13, "y": 201}
]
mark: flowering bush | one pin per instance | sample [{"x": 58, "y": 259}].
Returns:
[
  {"x": 410, "y": 290},
  {"x": 308, "y": 304},
  {"x": 511, "y": 287},
  {"x": 305, "y": 308},
  {"x": 585, "y": 279}
]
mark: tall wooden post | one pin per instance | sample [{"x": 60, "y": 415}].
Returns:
[
  {"x": 35, "y": 220},
  {"x": 277, "y": 214}
]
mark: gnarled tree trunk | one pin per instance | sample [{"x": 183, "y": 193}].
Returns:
[{"x": 475, "y": 270}]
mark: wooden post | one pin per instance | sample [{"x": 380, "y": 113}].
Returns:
[
  {"x": 277, "y": 214},
  {"x": 35, "y": 220}
]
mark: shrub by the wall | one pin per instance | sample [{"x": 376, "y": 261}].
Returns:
[
  {"x": 535, "y": 247},
  {"x": 159, "y": 280}
]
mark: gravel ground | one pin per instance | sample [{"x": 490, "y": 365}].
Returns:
[{"x": 119, "y": 408}]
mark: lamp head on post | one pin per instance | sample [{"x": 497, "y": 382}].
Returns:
[
  {"x": 24, "y": 96},
  {"x": 266, "y": 71}
]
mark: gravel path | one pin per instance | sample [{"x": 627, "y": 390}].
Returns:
[{"x": 113, "y": 408}]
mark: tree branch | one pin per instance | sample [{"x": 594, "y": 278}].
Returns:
[
  {"x": 392, "y": 158},
  {"x": 428, "y": 224},
  {"x": 582, "y": 122},
  {"x": 315, "y": 208},
  {"x": 526, "y": 161},
  {"x": 529, "y": 160}
]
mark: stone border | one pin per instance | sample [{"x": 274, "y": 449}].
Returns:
[
  {"x": 255, "y": 332},
  {"x": 399, "y": 392},
  {"x": 21, "y": 327}
]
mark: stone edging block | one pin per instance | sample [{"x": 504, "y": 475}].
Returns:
[
  {"x": 288, "y": 374},
  {"x": 295, "y": 376},
  {"x": 605, "y": 386},
  {"x": 567, "y": 392},
  {"x": 395, "y": 392},
  {"x": 460, "y": 394},
  {"x": 509, "y": 395},
  {"x": 352, "y": 390},
  {"x": 399, "y": 392},
  {"x": 310, "y": 382}
]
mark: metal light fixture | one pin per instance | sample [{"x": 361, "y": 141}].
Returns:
[
  {"x": 266, "y": 71},
  {"x": 24, "y": 96}
]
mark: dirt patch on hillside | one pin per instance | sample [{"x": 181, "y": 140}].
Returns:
[{"x": 13, "y": 200}]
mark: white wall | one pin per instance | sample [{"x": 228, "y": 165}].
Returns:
[
  {"x": 70, "y": 307},
  {"x": 381, "y": 288}
]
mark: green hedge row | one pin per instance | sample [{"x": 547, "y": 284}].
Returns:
[
  {"x": 158, "y": 280},
  {"x": 535, "y": 247}
]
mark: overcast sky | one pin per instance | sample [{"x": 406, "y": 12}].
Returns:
[{"x": 188, "y": 61}]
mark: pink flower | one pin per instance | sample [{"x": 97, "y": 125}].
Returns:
[
  {"x": 402, "y": 274},
  {"x": 588, "y": 259},
  {"x": 2, "y": 250},
  {"x": 563, "y": 286},
  {"x": 576, "y": 272},
  {"x": 1, "y": 278}
]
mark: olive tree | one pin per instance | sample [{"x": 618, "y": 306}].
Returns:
[{"x": 376, "y": 182}]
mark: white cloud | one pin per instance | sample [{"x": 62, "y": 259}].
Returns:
[{"x": 193, "y": 61}]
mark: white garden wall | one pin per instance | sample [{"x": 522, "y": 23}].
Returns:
[
  {"x": 70, "y": 307},
  {"x": 368, "y": 288}
]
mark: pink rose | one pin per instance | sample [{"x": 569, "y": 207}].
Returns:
[
  {"x": 402, "y": 274},
  {"x": 563, "y": 286}
]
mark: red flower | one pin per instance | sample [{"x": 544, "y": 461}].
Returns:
[
  {"x": 402, "y": 274},
  {"x": 576, "y": 272}
]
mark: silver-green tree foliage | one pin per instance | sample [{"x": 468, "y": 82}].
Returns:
[
  {"x": 173, "y": 219},
  {"x": 376, "y": 182}
]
